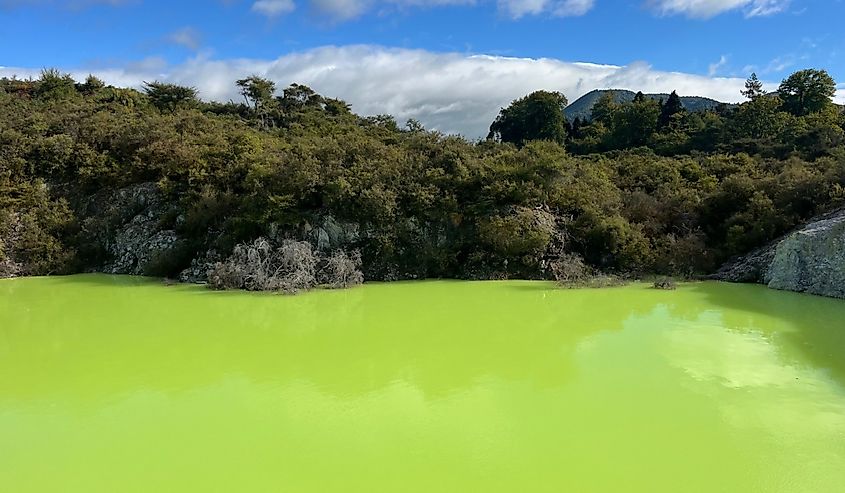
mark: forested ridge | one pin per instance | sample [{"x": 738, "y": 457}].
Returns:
[{"x": 643, "y": 188}]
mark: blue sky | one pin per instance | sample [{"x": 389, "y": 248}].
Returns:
[{"x": 352, "y": 47}]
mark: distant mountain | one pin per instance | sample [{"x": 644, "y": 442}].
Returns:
[{"x": 583, "y": 107}]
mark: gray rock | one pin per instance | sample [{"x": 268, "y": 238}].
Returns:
[
  {"x": 810, "y": 259},
  {"x": 139, "y": 239},
  {"x": 197, "y": 273},
  {"x": 331, "y": 234}
]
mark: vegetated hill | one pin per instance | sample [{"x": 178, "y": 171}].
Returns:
[{"x": 583, "y": 106}]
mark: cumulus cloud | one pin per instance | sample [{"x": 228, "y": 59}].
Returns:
[
  {"x": 273, "y": 8},
  {"x": 705, "y": 9},
  {"x": 451, "y": 92}
]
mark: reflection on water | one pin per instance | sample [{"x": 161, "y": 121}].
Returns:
[{"x": 121, "y": 384}]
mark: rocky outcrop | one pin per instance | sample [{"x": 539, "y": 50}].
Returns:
[
  {"x": 138, "y": 236},
  {"x": 198, "y": 271},
  {"x": 330, "y": 234},
  {"x": 810, "y": 259}
]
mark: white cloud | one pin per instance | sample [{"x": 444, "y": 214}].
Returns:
[
  {"x": 343, "y": 10},
  {"x": 450, "y": 92},
  {"x": 187, "y": 36},
  {"x": 560, "y": 8},
  {"x": 705, "y": 9},
  {"x": 713, "y": 68},
  {"x": 273, "y": 8}
]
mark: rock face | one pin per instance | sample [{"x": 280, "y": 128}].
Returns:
[
  {"x": 330, "y": 234},
  {"x": 140, "y": 238},
  {"x": 811, "y": 259}
]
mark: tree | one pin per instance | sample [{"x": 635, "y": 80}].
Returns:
[
  {"x": 298, "y": 97},
  {"x": 257, "y": 91},
  {"x": 170, "y": 97},
  {"x": 634, "y": 122},
  {"x": 807, "y": 91},
  {"x": 672, "y": 107},
  {"x": 604, "y": 108},
  {"x": 753, "y": 87},
  {"x": 55, "y": 85},
  {"x": 538, "y": 116},
  {"x": 759, "y": 118},
  {"x": 92, "y": 84},
  {"x": 258, "y": 94}
]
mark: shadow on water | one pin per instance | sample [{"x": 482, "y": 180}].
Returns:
[{"x": 817, "y": 323}]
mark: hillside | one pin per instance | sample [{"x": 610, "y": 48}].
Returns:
[{"x": 583, "y": 106}]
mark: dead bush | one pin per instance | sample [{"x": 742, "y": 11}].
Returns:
[
  {"x": 290, "y": 268},
  {"x": 342, "y": 270},
  {"x": 569, "y": 268},
  {"x": 665, "y": 284},
  {"x": 257, "y": 266}
]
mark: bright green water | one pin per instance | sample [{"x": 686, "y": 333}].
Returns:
[{"x": 124, "y": 385}]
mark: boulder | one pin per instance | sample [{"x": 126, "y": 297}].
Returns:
[{"x": 810, "y": 259}]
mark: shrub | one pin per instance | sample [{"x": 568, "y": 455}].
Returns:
[
  {"x": 569, "y": 269},
  {"x": 665, "y": 284},
  {"x": 257, "y": 266},
  {"x": 342, "y": 270}
]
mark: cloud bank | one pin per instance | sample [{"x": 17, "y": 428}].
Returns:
[{"x": 451, "y": 92}]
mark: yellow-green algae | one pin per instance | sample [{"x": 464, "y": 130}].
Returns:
[{"x": 119, "y": 384}]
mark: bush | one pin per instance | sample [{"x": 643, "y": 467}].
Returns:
[
  {"x": 569, "y": 269},
  {"x": 257, "y": 266},
  {"x": 342, "y": 270},
  {"x": 290, "y": 268},
  {"x": 665, "y": 284}
]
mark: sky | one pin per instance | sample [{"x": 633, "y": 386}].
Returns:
[{"x": 451, "y": 64}]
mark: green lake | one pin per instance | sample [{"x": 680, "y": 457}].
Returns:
[{"x": 121, "y": 384}]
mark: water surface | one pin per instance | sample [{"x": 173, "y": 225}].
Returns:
[{"x": 121, "y": 384}]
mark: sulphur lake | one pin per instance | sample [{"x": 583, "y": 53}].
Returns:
[{"x": 120, "y": 384}]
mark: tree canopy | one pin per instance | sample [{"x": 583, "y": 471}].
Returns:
[
  {"x": 807, "y": 91},
  {"x": 538, "y": 116}
]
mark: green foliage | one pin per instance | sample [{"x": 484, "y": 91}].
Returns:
[
  {"x": 807, "y": 91},
  {"x": 643, "y": 188},
  {"x": 55, "y": 85},
  {"x": 538, "y": 116},
  {"x": 170, "y": 97},
  {"x": 753, "y": 88},
  {"x": 670, "y": 110}
]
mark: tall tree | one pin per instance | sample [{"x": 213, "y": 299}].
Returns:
[
  {"x": 635, "y": 122},
  {"x": 807, "y": 91},
  {"x": 753, "y": 87},
  {"x": 604, "y": 108},
  {"x": 538, "y": 116},
  {"x": 257, "y": 91},
  {"x": 672, "y": 107},
  {"x": 258, "y": 94}
]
